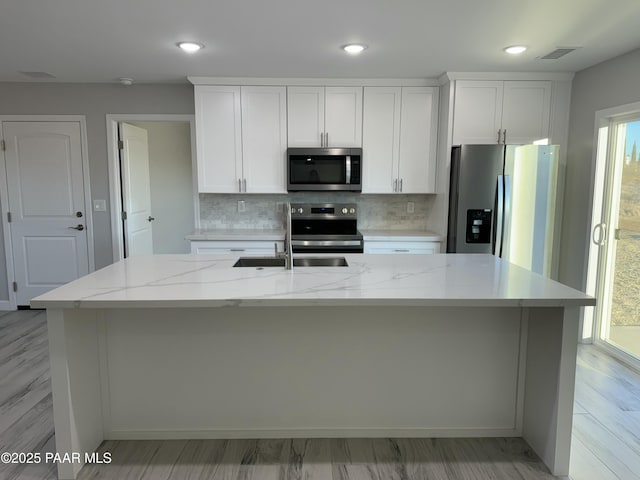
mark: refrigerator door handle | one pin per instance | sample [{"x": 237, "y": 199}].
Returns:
[
  {"x": 497, "y": 251},
  {"x": 506, "y": 214}
]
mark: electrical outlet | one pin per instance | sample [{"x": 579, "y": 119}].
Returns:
[
  {"x": 411, "y": 207},
  {"x": 241, "y": 206}
]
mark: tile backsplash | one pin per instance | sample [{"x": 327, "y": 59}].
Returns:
[{"x": 388, "y": 212}]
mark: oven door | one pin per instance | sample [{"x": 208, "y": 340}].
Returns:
[{"x": 327, "y": 244}]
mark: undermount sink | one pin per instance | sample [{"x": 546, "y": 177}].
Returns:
[
  {"x": 261, "y": 262},
  {"x": 320, "y": 262}
]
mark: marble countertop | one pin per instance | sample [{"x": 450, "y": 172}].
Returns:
[
  {"x": 236, "y": 234},
  {"x": 408, "y": 280},
  {"x": 400, "y": 235}
]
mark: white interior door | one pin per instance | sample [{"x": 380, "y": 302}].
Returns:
[
  {"x": 46, "y": 203},
  {"x": 136, "y": 191}
]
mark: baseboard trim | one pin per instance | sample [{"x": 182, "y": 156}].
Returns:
[
  {"x": 6, "y": 305},
  {"x": 308, "y": 433}
]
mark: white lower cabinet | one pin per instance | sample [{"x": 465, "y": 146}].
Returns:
[
  {"x": 417, "y": 247},
  {"x": 235, "y": 247}
]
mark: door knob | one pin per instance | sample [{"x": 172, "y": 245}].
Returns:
[
  {"x": 78, "y": 227},
  {"x": 151, "y": 219}
]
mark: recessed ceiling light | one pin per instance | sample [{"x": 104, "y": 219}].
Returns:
[
  {"x": 515, "y": 49},
  {"x": 190, "y": 47},
  {"x": 354, "y": 48}
]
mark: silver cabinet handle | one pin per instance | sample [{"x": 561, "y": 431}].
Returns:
[
  {"x": 401, "y": 185},
  {"x": 236, "y": 249},
  {"x": 244, "y": 185},
  {"x": 499, "y": 132},
  {"x": 78, "y": 227},
  {"x": 326, "y": 139},
  {"x": 401, "y": 250},
  {"x": 395, "y": 185},
  {"x": 322, "y": 139},
  {"x": 240, "y": 185}
]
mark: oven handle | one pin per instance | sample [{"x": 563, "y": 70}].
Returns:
[
  {"x": 325, "y": 243},
  {"x": 348, "y": 168}
]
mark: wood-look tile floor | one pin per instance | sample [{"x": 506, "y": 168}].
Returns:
[{"x": 606, "y": 443}]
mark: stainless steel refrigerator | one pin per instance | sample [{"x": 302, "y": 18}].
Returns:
[{"x": 503, "y": 199}]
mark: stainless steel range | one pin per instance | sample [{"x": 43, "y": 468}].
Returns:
[{"x": 325, "y": 228}]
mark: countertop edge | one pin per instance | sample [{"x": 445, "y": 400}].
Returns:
[{"x": 318, "y": 302}]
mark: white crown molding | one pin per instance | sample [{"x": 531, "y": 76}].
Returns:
[
  {"x": 341, "y": 82},
  {"x": 552, "y": 76}
]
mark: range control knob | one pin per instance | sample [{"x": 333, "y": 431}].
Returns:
[
  {"x": 352, "y": 210},
  {"x": 344, "y": 210},
  {"x": 300, "y": 210}
]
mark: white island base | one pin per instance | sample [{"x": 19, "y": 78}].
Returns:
[{"x": 265, "y": 369}]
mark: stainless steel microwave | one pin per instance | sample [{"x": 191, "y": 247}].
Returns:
[{"x": 317, "y": 169}]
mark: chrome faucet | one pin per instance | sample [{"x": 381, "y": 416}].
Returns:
[{"x": 287, "y": 254}]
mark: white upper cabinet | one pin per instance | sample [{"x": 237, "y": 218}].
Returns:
[
  {"x": 305, "y": 112},
  {"x": 343, "y": 116},
  {"x": 526, "y": 111},
  {"x": 264, "y": 139},
  {"x": 241, "y": 139},
  {"x": 418, "y": 134},
  {"x": 501, "y": 111},
  {"x": 381, "y": 139},
  {"x": 218, "y": 138},
  {"x": 399, "y": 139},
  {"x": 324, "y": 116}
]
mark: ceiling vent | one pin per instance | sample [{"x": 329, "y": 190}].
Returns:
[
  {"x": 38, "y": 74},
  {"x": 559, "y": 52}
]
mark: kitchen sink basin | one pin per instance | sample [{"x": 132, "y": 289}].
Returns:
[
  {"x": 261, "y": 262},
  {"x": 320, "y": 262}
]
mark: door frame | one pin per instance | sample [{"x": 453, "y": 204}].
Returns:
[
  {"x": 591, "y": 327},
  {"x": 4, "y": 195},
  {"x": 113, "y": 156}
]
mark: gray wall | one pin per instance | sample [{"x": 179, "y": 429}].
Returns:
[
  {"x": 95, "y": 101},
  {"x": 608, "y": 84}
]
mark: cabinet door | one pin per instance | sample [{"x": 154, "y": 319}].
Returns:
[
  {"x": 477, "y": 116},
  {"x": 343, "y": 116},
  {"x": 305, "y": 116},
  {"x": 218, "y": 138},
  {"x": 418, "y": 133},
  {"x": 526, "y": 111},
  {"x": 264, "y": 139},
  {"x": 380, "y": 138}
]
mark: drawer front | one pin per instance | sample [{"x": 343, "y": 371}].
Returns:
[
  {"x": 235, "y": 248},
  {"x": 401, "y": 247}
]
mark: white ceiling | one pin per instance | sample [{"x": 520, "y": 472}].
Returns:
[{"x": 100, "y": 41}]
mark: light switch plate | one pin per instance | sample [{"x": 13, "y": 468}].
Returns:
[
  {"x": 241, "y": 206},
  {"x": 99, "y": 205},
  {"x": 411, "y": 207}
]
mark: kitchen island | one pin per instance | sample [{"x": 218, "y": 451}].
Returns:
[{"x": 187, "y": 346}]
